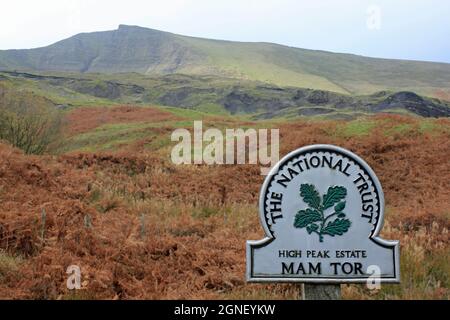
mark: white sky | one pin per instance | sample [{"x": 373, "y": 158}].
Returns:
[{"x": 407, "y": 29}]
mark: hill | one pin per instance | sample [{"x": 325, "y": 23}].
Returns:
[
  {"x": 153, "y": 52},
  {"x": 218, "y": 95}
]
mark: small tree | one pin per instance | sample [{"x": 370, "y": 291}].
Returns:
[{"x": 28, "y": 122}]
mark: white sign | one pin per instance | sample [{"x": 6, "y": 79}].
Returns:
[{"x": 322, "y": 209}]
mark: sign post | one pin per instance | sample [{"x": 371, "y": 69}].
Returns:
[
  {"x": 321, "y": 291},
  {"x": 322, "y": 208}
]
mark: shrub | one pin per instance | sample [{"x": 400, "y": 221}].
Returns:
[{"x": 28, "y": 122}]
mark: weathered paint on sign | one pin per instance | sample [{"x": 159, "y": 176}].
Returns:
[{"x": 322, "y": 208}]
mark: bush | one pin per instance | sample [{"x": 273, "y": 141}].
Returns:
[{"x": 28, "y": 122}]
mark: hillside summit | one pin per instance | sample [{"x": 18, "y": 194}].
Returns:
[{"x": 154, "y": 52}]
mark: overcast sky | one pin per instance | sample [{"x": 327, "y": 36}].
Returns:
[{"x": 404, "y": 29}]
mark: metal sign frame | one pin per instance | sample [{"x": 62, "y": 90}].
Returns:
[{"x": 251, "y": 244}]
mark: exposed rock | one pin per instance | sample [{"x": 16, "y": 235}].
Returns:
[
  {"x": 314, "y": 111},
  {"x": 413, "y": 103},
  {"x": 182, "y": 97},
  {"x": 318, "y": 97}
]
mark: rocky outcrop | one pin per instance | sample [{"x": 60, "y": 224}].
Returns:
[{"x": 414, "y": 103}]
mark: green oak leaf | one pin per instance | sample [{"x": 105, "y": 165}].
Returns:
[
  {"x": 310, "y": 195},
  {"x": 340, "y": 206},
  {"x": 305, "y": 217},
  {"x": 333, "y": 195},
  {"x": 312, "y": 227},
  {"x": 313, "y": 217},
  {"x": 337, "y": 227}
]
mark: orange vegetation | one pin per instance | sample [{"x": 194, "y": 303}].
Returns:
[
  {"x": 140, "y": 227},
  {"x": 85, "y": 119}
]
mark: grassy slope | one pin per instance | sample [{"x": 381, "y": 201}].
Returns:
[
  {"x": 154, "y": 52},
  {"x": 343, "y": 73},
  {"x": 259, "y": 61}
]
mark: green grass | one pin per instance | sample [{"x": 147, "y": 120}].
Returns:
[
  {"x": 427, "y": 126},
  {"x": 356, "y": 128},
  {"x": 399, "y": 129},
  {"x": 430, "y": 126},
  {"x": 256, "y": 61},
  {"x": 424, "y": 126},
  {"x": 342, "y": 73},
  {"x": 185, "y": 113},
  {"x": 212, "y": 108},
  {"x": 109, "y": 137},
  {"x": 114, "y": 136},
  {"x": 60, "y": 95}
]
